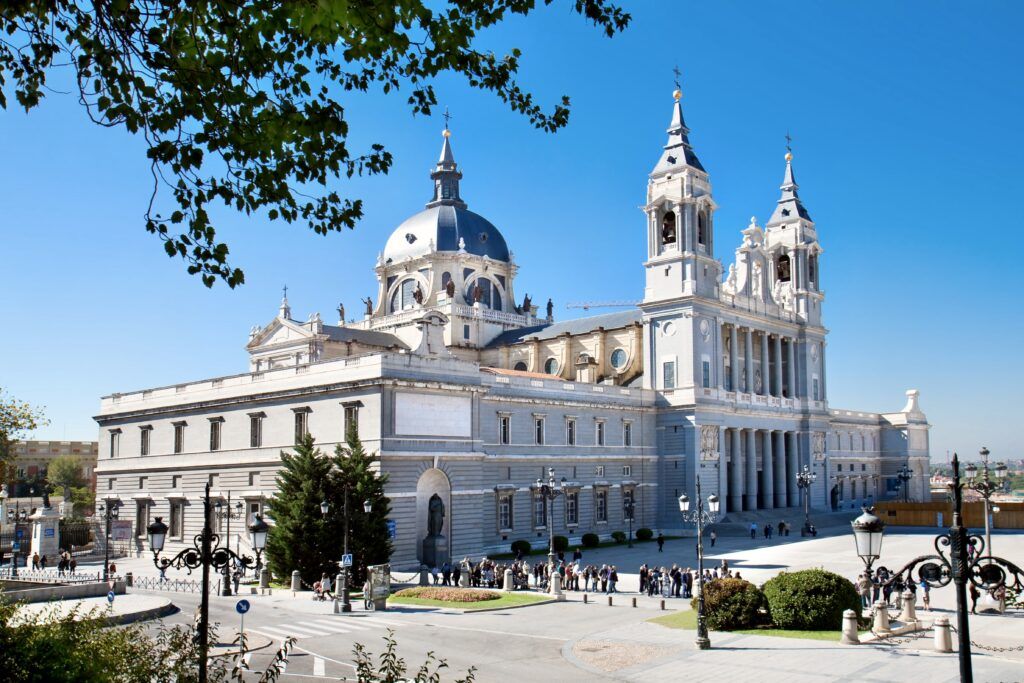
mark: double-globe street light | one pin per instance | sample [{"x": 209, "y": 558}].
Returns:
[
  {"x": 903, "y": 477},
  {"x": 804, "y": 479},
  {"x": 111, "y": 510},
  {"x": 206, "y": 553},
  {"x": 325, "y": 507},
  {"x": 550, "y": 490},
  {"x": 226, "y": 512},
  {"x": 628, "y": 508},
  {"x": 986, "y": 486},
  {"x": 701, "y": 518}
]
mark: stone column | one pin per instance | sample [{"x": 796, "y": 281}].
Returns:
[
  {"x": 823, "y": 392},
  {"x": 791, "y": 348},
  {"x": 781, "y": 472},
  {"x": 722, "y": 384},
  {"x": 734, "y": 368},
  {"x": 768, "y": 470},
  {"x": 750, "y": 492},
  {"x": 791, "y": 466},
  {"x": 778, "y": 365},
  {"x": 735, "y": 472},
  {"x": 765, "y": 374},
  {"x": 748, "y": 357}
]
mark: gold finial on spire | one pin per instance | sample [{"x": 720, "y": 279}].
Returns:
[
  {"x": 677, "y": 94},
  {"x": 789, "y": 147},
  {"x": 447, "y": 133}
]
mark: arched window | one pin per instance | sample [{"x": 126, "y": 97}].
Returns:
[
  {"x": 812, "y": 270},
  {"x": 445, "y": 279},
  {"x": 782, "y": 270},
  {"x": 551, "y": 366},
  {"x": 489, "y": 294},
  {"x": 702, "y": 229},
  {"x": 668, "y": 228},
  {"x": 403, "y": 296},
  {"x": 521, "y": 366}
]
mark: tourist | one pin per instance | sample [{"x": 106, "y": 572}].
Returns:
[
  {"x": 446, "y": 573},
  {"x": 782, "y": 528},
  {"x": 72, "y": 565},
  {"x": 613, "y": 578},
  {"x": 35, "y": 561},
  {"x": 753, "y": 530},
  {"x": 975, "y": 596},
  {"x": 677, "y": 581},
  {"x": 434, "y": 574},
  {"x": 713, "y": 537},
  {"x": 236, "y": 578},
  {"x": 661, "y": 542},
  {"x": 643, "y": 578},
  {"x": 687, "y": 583},
  {"x": 367, "y": 590},
  {"x": 325, "y": 586},
  {"x": 456, "y": 573},
  {"x": 926, "y": 595}
]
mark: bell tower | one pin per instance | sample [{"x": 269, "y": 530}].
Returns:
[{"x": 680, "y": 220}]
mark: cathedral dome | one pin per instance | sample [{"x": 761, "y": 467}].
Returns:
[{"x": 442, "y": 228}]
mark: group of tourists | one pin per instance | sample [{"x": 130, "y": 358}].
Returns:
[
  {"x": 768, "y": 530},
  {"x": 883, "y": 585}
]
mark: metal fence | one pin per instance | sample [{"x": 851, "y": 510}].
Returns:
[
  {"x": 52, "y": 576},
  {"x": 155, "y": 583}
]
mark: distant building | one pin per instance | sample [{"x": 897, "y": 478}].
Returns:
[{"x": 32, "y": 460}]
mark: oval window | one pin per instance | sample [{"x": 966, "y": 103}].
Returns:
[
  {"x": 521, "y": 367},
  {"x": 619, "y": 359},
  {"x": 551, "y": 366}
]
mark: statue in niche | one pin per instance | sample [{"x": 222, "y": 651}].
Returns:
[
  {"x": 755, "y": 280},
  {"x": 435, "y": 516},
  {"x": 478, "y": 293},
  {"x": 709, "y": 441},
  {"x": 449, "y": 289},
  {"x": 757, "y": 380},
  {"x": 417, "y": 294},
  {"x": 369, "y": 305}
]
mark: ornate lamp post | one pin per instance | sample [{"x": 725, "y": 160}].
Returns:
[
  {"x": 903, "y": 478},
  {"x": 986, "y": 486},
  {"x": 628, "y": 508},
  {"x": 700, "y": 517},
  {"x": 804, "y": 479},
  {"x": 110, "y": 509},
  {"x": 550, "y": 490},
  {"x": 205, "y": 553},
  {"x": 226, "y": 512},
  {"x": 867, "y": 535}
]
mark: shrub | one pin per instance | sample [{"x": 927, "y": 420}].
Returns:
[
  {"x": 732, "y": 604},
  {"x": 619, "y": 536},
  {"x": 521, "y": 545},
  {"x": 561, "y": 544},
  {"x": 810, "y": 600},
  {"x": 644, "y": 534},
  {"x": 591, "y": 540},
  {"x": 447, "y": 594}
]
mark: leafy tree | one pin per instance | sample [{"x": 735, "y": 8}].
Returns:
[
  {"x": 16, "y": 418},
  {"x": 391, "y": 667},
  {"x": 65, "y": 472},
  {"x": 240, "y": 102},
  {"x": 355, "y": 471},
  {"x": 302, "y": 537}
]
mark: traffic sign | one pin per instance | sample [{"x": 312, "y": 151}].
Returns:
[
  {"x": 346, "y": 560},
  {"x": 110, "y": 597},
  {"x": 392, "y": 529},
  {"x": 242, "y": 607}
]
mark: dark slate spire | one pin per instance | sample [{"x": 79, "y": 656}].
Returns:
[
  {"x": 789, "y": 206},
  {"x": 446, "y": 175},
  {"x": 678, "y": 151}
]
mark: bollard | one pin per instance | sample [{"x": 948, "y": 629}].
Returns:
[
  {"x": 264, "y": 578},
  {"x": 943, "y": 638},
  {"x": 881, "y": 618},
  {"x": 634, "y": 602},
  {"x": 556, "y": 587},
  {"x": 507, "y": 584},
  {"x": 129, "y": 579},
  {"x": 584, "y": 598},
  {"x": 662, "y": 605},
  {"x": 296, "y": 581},
  {"x": 909, "y": 613},
  {"x": 609, "y": 601},
  {"x": 850, "y": 636}
]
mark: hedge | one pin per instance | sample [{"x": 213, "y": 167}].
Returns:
[
  {"x": 644, "y": 534},
  {"x": 521, "y": 545},
  {"x": 732, "y": 604},
  {"x": 591, "y": 540},
  {"x": 619, "y": 536},
  {"x": 810, "y": 600},
  {"x": 561, "y": 544}
]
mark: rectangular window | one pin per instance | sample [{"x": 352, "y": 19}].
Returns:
[
  {"x": 175, "y": 481},
  {"x": 144, "y": 440},
  {"x": 351, "y": 420},
  {"x": 213, "y": 480},
  {"x": 627, "y": 433},
  {"x": 863, "y": 467},
  {"x": 142, "y": 482},
  {"x": 505, "y": 512},
  {"x": 601, "y": 505},
  {"x": 301, "y": 424},
  {"x": 627, "y": 470},
  {"x": 540, "y": 512},
  {"x": 115, "y": 443},
  {"x": 814, "y": 391},
  {"x": 179, "y": 437},
  {"x": 176, "y": 528},
  {"x": 599, "y": 471},
  {"x": 504, "y": 429},
  {"x": 627, "y": 504},
  {"x": 141, "y": 518},
  {"x": 215, "y": 435},
  {"x": 111, "y": 483},
  {"x": 255, "y": 508},
  {"x": 669, "y": 374},
  {"x": 599, "y": 436},
  {"x": 570, "y": 432},
  {"x": 465, "y": 331},
  {"x": 538, "y": 428},
  {"x": 839, "y": 467},
  {"x": 705, "y": 374},
  {"x": 256, "y": 430},
  {"x": 254, "y": 479},
  {"x": 572, "y": 508}
]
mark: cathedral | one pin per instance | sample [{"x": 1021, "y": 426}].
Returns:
[{"x": 471, "y": 395}]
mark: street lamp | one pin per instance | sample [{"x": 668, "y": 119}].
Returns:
[
  {"x": 225, "y": 512},
  {"x": 701, "y": 518},
  {"x": 867, "y": 535},
  {"x": 628, "y": 509},
  {"x": 549, "y": 491},
  {"x": 804, "y": 479},
  {"x": 903, "y": 477},
  {"x": 205, "y": 553},
  {"x": 111, "y": 509},
  {"x": 986, "y": 486}
]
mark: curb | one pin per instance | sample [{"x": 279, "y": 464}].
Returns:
[{"x": 144, "y": 615}]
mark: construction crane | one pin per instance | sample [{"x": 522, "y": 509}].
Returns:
[{"x": 587, "y": 305}]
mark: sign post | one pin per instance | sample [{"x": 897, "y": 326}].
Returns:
[
  {"x": 110, "y": 601},
  {"x": 346, "y": 560},
  {"x": 242, "y": 606}
]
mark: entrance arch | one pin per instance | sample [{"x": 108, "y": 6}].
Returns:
[{"x": 432, "y": 481}]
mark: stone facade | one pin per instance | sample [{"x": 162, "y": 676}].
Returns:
[{"x": 471, "y": 396}]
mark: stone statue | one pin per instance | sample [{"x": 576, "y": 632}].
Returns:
[
  {"x": 551, "y": 310},
  {"x": 435, "y": 516},
  {"x": 527, "y": 304},
  {"x": 449, "y": 289},
  {"x": 730, "y": 282},
  {"x": 46, "y": 495},
  {"x": 709, "y": 442},
  {"x": 341, "y": 313},
  {"x": 417, "y": 294},
  {"x": 755, "y": 280},
  {"x": 478, "y": 293},
  {"x": 369, "y": 305}
]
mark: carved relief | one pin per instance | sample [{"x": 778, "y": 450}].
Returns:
[
  {"x": 818, "y": 445},
  {"x": 705, "y": 329},
  {"x": 709, "y": 442}
]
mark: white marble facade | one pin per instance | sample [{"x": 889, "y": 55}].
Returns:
[{"x": 470, "y": 394}]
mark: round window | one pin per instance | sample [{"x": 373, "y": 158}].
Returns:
[
  {"x": 520, "y": 366},
  {"x": 668, "y": 329},
  {"x": 551, "y": 366},
  {"x": 619, "y": 359}
]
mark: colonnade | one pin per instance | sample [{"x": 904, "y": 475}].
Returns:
[
  {"x": 769, "y": 372},
  {"x": 759, "y": 469}
]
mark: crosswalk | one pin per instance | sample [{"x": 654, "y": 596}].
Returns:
[{"x": 314, "y": 628}]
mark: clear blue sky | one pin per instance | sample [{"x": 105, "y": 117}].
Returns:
[{"x": 906, "y": 120}]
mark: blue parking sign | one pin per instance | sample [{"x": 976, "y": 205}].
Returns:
[
  {"x": 110, "y": 597},
  {"x": 242, "y": 606}
]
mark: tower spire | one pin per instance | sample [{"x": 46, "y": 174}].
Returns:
[
  {"x": 446, "y": 175},
  {"x": 285, "y": 311},
  {"x": 789, "y": 206},
  {"x": 678, "y": 150}
]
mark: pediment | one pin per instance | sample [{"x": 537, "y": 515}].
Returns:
[{"x": 279, "y": 332}]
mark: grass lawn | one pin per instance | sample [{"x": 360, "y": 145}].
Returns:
[
  {"x": 688, "y": 620},
  {"x": 506, "y": 600}
]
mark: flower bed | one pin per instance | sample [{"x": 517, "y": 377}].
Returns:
[{"x": 447, "y": 594}]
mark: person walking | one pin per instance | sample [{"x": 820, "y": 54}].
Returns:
[
  {"x": 446, "y": 573},
  {"x": 613, "y": 578},
  {"x": 975, "y": 596},
  {"x": 926, "y": 597},
  {"x": 713, "y": 537},
  {"x": 661, "y": 542},
  {"x": 753, "y": 531},
  {"x": 35, "y": 561},
  {"x": 456, "y": 573}
]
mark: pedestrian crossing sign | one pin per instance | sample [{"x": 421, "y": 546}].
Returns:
[{"x": 346, "y": 560}]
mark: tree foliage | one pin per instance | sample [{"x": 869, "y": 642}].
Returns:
[
  {"x": 65, "y": 472},
  {"x": 732, "y": 604},
  {"x": 356, "y": 472},
  {"x": 240, "y": 103},
  {"x": 390, "y": 667},
  {"x": 16, "y": 419},
  {"x": 810, "y": 600}
]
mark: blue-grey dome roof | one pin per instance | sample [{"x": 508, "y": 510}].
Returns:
[{"x": 445, "y": 225}]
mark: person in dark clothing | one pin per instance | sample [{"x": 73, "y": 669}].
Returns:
[
  {"x": 661, "y": 542},
  {"x": 975, "y": 596}
]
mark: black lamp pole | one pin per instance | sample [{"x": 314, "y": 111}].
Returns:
[
  {"x": 961, "y": 570},
  {"x": 701, "y": 518},
  {"x": 346, "y": 604},
  {"x": 110, "y": 511}
]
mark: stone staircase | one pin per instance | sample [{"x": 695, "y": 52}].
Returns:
[{"x": 738, "y": 523}]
